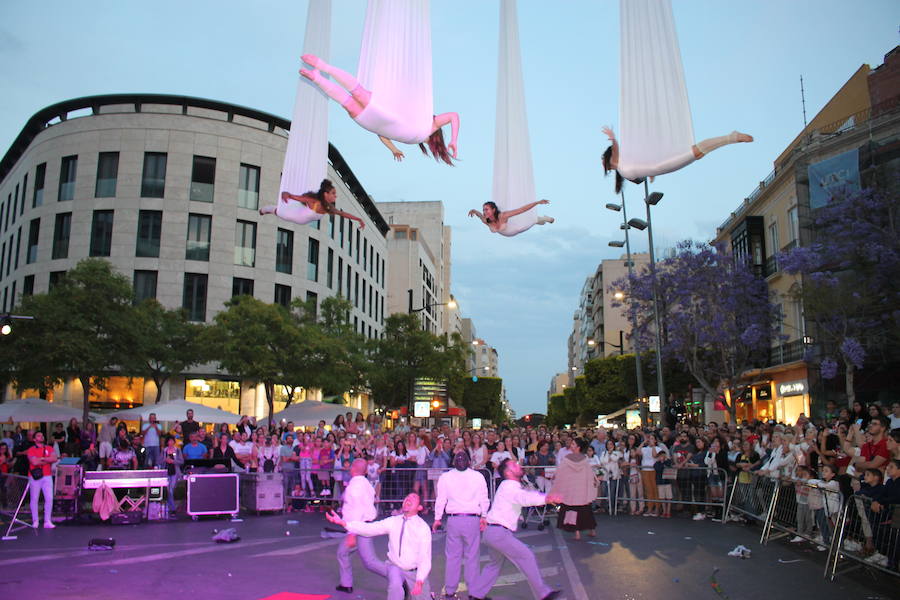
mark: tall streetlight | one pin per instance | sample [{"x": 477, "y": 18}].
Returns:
[
  {"x": 652, "y": 200},
  {"x": 636, "y": 342}
]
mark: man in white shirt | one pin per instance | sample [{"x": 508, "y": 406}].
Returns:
[
  {"x": 151, "y": 432},
  {"x": 358, "y": 505},
  {"x": 462, "y": 493},
  {"x": 895, "y": 415},
  {"x": 409, "y": 548},
  {"x": 502, "y": 522}
]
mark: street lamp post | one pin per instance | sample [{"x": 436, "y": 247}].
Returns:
[
  {"x": 652, "y": 200},
  {"x": 636, "y": 342}
]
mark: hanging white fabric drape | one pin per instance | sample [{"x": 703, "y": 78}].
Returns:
[
  {"x": 513, "y": 171},
  {"x": 655, "y": 129},
  {"x": 306, "y": 158},
  {"x": 395, "y": 66}
]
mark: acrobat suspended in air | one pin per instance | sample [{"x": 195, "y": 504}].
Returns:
[
  {"x": 497, "y": 219},
  {"x": 309, "y": 207},
  {"x": 364, "y": 107},
  {"x": 657, "y": 134},
  {"x": 637, "y": 175}
]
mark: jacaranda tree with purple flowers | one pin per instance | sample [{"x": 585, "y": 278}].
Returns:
[
  {"x": 850, "y": 286},
  {"x": 718, "y": 320}
]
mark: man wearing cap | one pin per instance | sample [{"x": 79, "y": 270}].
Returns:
[
  {"x": 358, "y": 505},
  {"x": 502, "y": 522},
  {"x": 409, "y": 548},
  {"x": 462, "y": 494}
]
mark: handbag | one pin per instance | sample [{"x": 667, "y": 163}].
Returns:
[{"x": 37, "y": 472}]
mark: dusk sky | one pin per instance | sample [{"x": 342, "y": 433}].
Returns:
[{"x": 743, "y": 63}]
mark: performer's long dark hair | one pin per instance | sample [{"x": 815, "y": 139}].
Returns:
[{"x": 607, "y": 156}]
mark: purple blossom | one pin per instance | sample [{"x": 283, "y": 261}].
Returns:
[
  {"x": 853, "y": 352},
  {"x": 829, "y": 368}
]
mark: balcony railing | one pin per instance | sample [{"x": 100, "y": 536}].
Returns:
[{"x": 785, "y": 353}]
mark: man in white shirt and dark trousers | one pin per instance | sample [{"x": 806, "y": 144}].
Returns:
[
  {"x": 409, "y": 548},
  {"x": 462, "y": 493},
  {"x": 358, "y": 505},
  {"x": 502, "y": 522}
]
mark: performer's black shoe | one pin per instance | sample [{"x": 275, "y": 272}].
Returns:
[
  {"x": 344, "y": 588},
  {"x": 474, "y": 598},
  {"x": 552, "y": 595}
]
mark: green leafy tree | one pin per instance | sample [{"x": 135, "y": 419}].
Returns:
[
  {"x": 166, "y": 343},
  {"x": 254, "y": 340},
  {"x": 481, "y": 398},
  {"x": 407, "y": 352},
  {"x": 556, "y": 410},
  {"x": 84, "y": 329}
]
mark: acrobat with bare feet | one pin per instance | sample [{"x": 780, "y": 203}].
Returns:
[
  {"x": 497, "y": 220},
  {"x": 309, "y": 207},
  {"x": 637, "y": 173},
  {"x": 363, "y": 107}
]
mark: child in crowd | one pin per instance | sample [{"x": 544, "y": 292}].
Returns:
[
  {"x": 825, "y": 502},
  {"x": 804, "y": 514},
  {"x": 373, "y": 474},
  {"x": 663, "y": 485}
]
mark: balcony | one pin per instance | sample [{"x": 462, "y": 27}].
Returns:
[{"x": 786, "y": 353}]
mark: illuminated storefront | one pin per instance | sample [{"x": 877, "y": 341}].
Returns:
[
  {"x": 215, "y": 393},
  {"x": 120, "y": 393}
]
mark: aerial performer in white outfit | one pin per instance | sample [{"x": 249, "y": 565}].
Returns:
[
  {"x": 309, "y": 207},
  {"x": 637, "y": 175},
  {"x": 364, "y": 107},
  {"x": 497, "y": 219},
  {"x": 657, "y": 134}
]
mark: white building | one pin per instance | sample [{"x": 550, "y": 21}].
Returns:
[{"x": 167, "y": 188}]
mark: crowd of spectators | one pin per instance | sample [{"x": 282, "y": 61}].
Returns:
[{"x": 651, "y": 471}]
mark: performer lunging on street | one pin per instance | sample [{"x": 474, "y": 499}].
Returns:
[
  {"x": 409, "y": 548},
  {"x": 358, "y": 505},
  {"x": 502, "y": 522},
  {"x": 462, "y": 494}
]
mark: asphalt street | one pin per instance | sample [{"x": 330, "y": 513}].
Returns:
[{"x": 631, "y": 557}]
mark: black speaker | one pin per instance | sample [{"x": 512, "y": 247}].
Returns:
[{"x": 212, "y": 494}]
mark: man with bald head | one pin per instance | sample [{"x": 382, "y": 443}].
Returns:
[{"x": 358, "y": 505}]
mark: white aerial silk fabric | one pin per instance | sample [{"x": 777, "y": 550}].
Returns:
[
  {"x": 395, "y": 66},
  {"x": 306, "y": 158},
  {"x": 655, "y": 129},
  {"x": 513, "y": 171}
]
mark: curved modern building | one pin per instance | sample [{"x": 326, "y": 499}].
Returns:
[{"x": 167, "y": 188}]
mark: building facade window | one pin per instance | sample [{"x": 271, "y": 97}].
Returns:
[
  {"x": 793, "y": 224},
  {"x": 107, "y": 175},
  {"x": 61, "y": 232},
  {"x": 67, "y": 170},
  {"x": 774, "y": 245},
  {"x": 144, "y": 286},
  {"x": 194, "y": 298},
  {"x": 149, "y": 233},
  {"x": 24, "y": 191},
  {"x": 245, "y": 244},
  {"x": 34, "y": 232},
  {"x": 312, "y": 260},
  {"x": 18, "y": 248},
  {"x": 329, "y": 269},
  {"x": 203, "y": 178},
  {"x": 312, "y": 299},
  {"x": 56, "y": 277},
  {"x": 241, "y": 287},
  {"x": 153, "y": 179},
  {"x": 28, "y": 285},
  {"x": 284, "y": 251},
  {"x": 39, "y": 175},
  {"x": 101, "y": 233},
  {"x": 340, "y": 272},
  {"x": 198, "y": 236},
  {"x": 283, "y": 295},
  {"x": 15, "y": 205},
  {"x": 248, "y": 187}
]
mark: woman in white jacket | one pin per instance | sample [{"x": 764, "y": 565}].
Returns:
[{"x": 612, "y": 472}]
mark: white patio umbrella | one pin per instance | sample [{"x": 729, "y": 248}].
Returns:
[
  {"x": 309, "y": 413},
  {"x": 175, "y": 410},
  {"x": 36, "y": 410}
]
